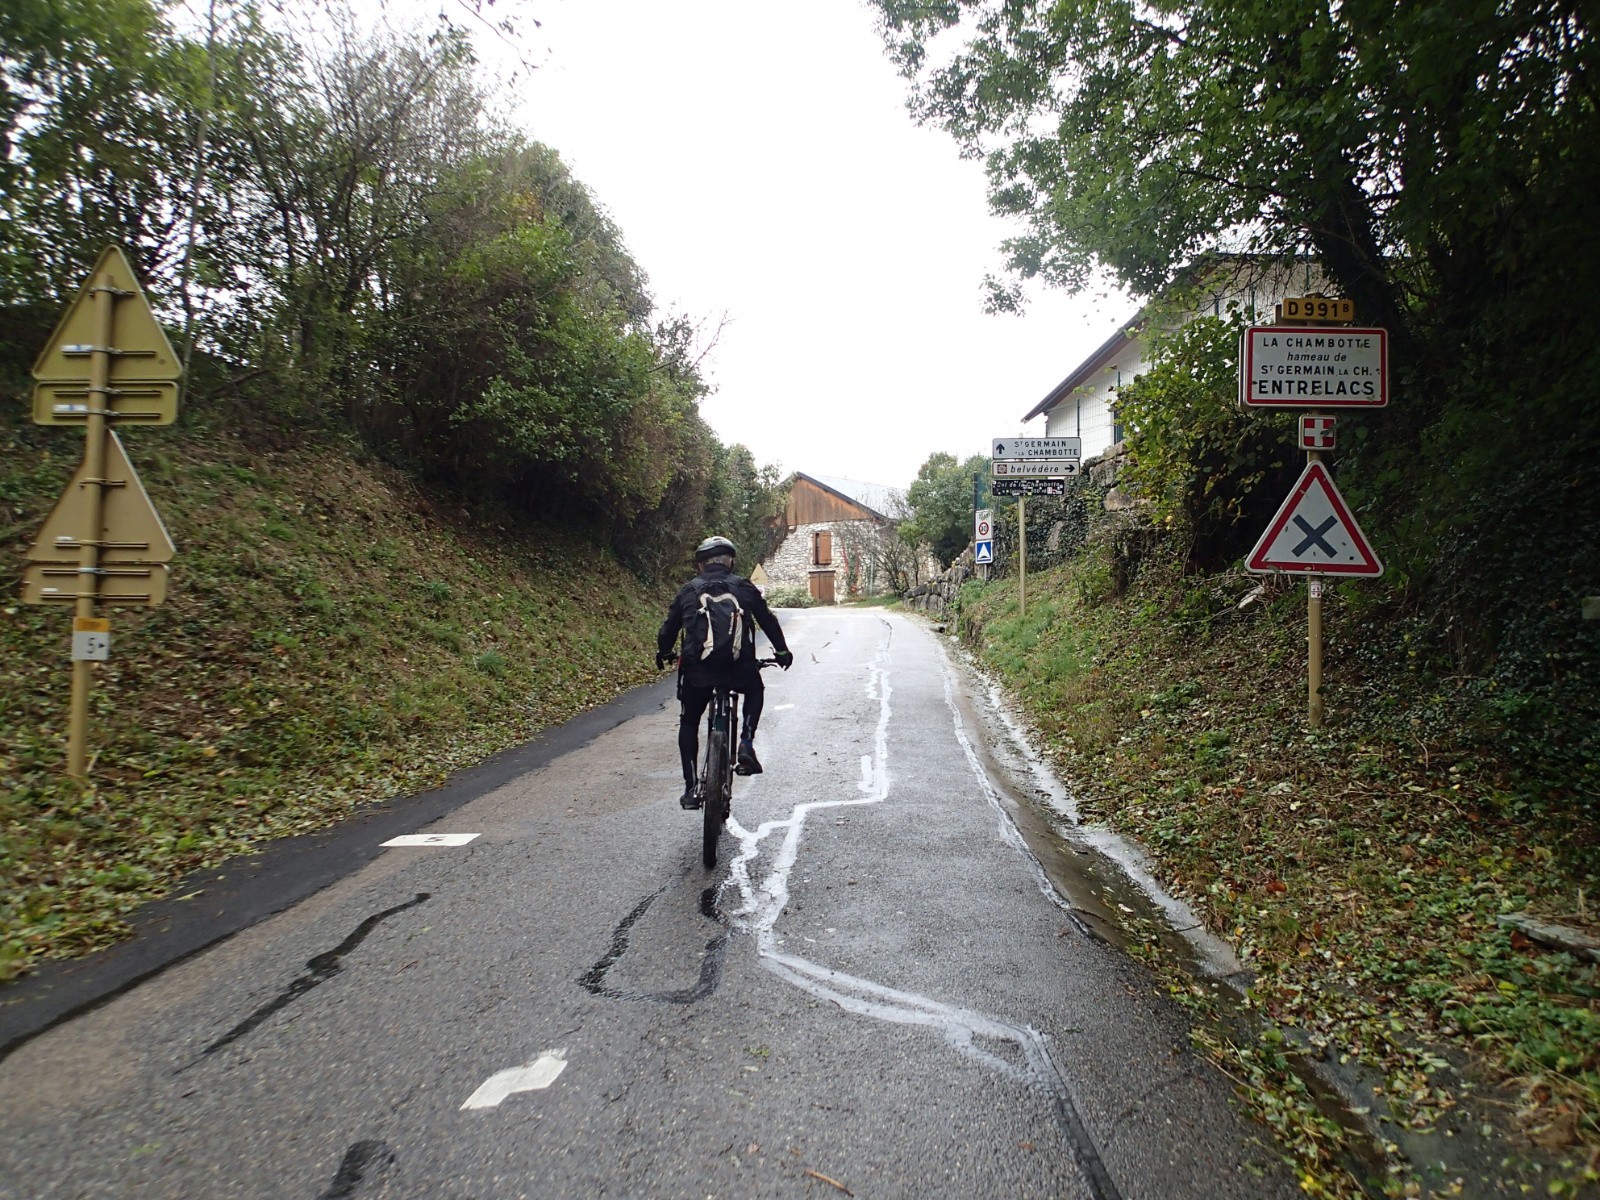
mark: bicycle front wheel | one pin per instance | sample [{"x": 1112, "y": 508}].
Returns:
[{"x": 716, "y": 783}]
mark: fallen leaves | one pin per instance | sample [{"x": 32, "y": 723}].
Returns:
[{"x": 1359, "y": 878}]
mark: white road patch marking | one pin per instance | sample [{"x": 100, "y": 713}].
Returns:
[
  {"x": 781, "y": 707},
  {"x": 763, "y": 904},
  {"x": 536, "y": 1076},
  {"x": 431, "y": 839}
]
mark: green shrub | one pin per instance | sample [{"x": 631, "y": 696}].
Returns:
[{"x": 789, "y": 596}]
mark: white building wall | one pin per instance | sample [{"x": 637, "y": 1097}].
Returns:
[{"x": 1090, "y": 414}]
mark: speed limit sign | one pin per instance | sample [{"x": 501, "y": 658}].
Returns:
[{"x": 983, "y": 524}]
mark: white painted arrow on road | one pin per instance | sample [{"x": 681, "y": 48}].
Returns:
[{"x": 537, "y": 1075}]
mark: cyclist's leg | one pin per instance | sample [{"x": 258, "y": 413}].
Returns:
[
  {"x": 754, "y": 699},
  {"x": 694, "y": 702}
]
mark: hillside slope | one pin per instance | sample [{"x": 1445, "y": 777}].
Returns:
[
  {"x": 332, "y": 636},
  {"x": 1361, "y": 870}
]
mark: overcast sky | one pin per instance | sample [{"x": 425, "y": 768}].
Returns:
[{"x": 761, "y": 165}]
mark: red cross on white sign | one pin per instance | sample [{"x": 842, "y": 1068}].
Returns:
[{"x": 1316, "y": 433}]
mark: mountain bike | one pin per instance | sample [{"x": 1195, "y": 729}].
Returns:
[{"x": 717, "y": 761}]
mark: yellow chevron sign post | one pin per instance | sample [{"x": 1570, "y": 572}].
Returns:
[{"x": 103, "y": 543}]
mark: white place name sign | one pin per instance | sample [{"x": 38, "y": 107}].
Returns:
[{"x": 1326, "y": 367}]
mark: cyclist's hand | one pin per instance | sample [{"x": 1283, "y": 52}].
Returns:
[
  {"x": 785, "y": 659},
  {"x": 662, "y": 660}
]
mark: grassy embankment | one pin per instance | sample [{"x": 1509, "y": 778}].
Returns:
[
  {"x": 332, "y": 637},
  {"x": 1359, "y": 870}
]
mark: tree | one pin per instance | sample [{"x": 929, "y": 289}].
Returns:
[
  {"x": 100, "y": 106},
  {"x": 1439, "y": 161},
  {"x": 941, "y": 504},
  {"x": 1419, "y": 151},
  {"x": 1213, "y": 473},
  {"x": 743, "y": 502},
  {"x": 875, "y": 557}
]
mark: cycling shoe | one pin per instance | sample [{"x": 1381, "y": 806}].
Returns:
[{"x": 748, "y": 763}]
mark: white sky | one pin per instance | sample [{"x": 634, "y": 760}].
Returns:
[{"x": 761, "y": 164}]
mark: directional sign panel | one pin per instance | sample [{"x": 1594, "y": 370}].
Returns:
[
  {"x": 1283, "y": 366},
  {"x": 144, "y": 371},
  {"x": 1028, "y": 487},
  {"x": 1040, "y": 468},
  {"x": 1314, "y": 533},
  {"x": 140, "y": 585},
  {"x": 983, "y": 552},
  {"x": 1045, "y": 447},
  {"x": 130, "y": 528}
]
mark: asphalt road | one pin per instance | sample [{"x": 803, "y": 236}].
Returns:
[{"x": 875, "y": 994}]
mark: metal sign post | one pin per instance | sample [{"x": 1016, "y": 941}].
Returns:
[
  {"x": 1320, "y": 362},
  {"x": 1314, "y": 709},
  {"x": 104, "y": 540},
  {"x": 94, "y": 464},
  {"x": 1022, "y": 556}
]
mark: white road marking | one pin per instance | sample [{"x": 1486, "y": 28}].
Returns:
[
  {"x": 763, "y": 904},
  {"x": 431, "y": 839},
  {"x": 536, "y": 1076},
  {"x": 781, "y": 707}
]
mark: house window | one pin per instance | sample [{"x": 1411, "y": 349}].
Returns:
[
  {"x": 822, "y": 548},
  {"x": 1116, "y": 417}
]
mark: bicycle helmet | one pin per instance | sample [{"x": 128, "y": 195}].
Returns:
[{"x": 712, "y": 547}]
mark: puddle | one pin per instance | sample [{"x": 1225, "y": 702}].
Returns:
[{"x": 1104, "y": 879}]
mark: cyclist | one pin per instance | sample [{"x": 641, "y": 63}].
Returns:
[{"x": 697, "y": 678}]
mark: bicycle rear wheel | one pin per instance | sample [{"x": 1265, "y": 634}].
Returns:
[{"x": 714, "y": 809}]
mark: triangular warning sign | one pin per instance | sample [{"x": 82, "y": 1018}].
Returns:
[
  {"x": 1314, "y": 533},
  {"x": 130, "y": 528},
  {"x": 143, "y": 353}
]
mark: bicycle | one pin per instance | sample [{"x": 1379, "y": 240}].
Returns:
[{"x": 717, "y": 762}]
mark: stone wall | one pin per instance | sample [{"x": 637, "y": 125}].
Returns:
[
  {"x": 937, "y": 595},
  {"x": 790, "y": 564}
]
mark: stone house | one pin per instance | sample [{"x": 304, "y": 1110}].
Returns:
[{"x": 832, "y": 531}]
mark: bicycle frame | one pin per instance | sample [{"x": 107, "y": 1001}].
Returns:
[
  {"x": 716, "y": 768},
  {"x": 718, "y": 757}
]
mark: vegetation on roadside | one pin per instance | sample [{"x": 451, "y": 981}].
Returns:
[
  {"x": 342, "y": 235},
  {"x": 789, "y": 596},
  {"x": 1358, "y": 870},
  {"x": 334, "y": 636},
  {"x": 437, "y": 448}
]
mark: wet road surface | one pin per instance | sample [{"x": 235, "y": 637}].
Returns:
[{"x": 876, "y": 993}]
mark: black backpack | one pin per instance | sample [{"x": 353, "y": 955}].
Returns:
[{"x": 714, "y": 629}]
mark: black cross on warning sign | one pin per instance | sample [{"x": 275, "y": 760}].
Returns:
[
  {"x": 1314, "y": 533},
  {"x": 1314, "y": 536}
]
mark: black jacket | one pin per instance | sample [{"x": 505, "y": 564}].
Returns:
[{"x": 699, "y": 674}]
